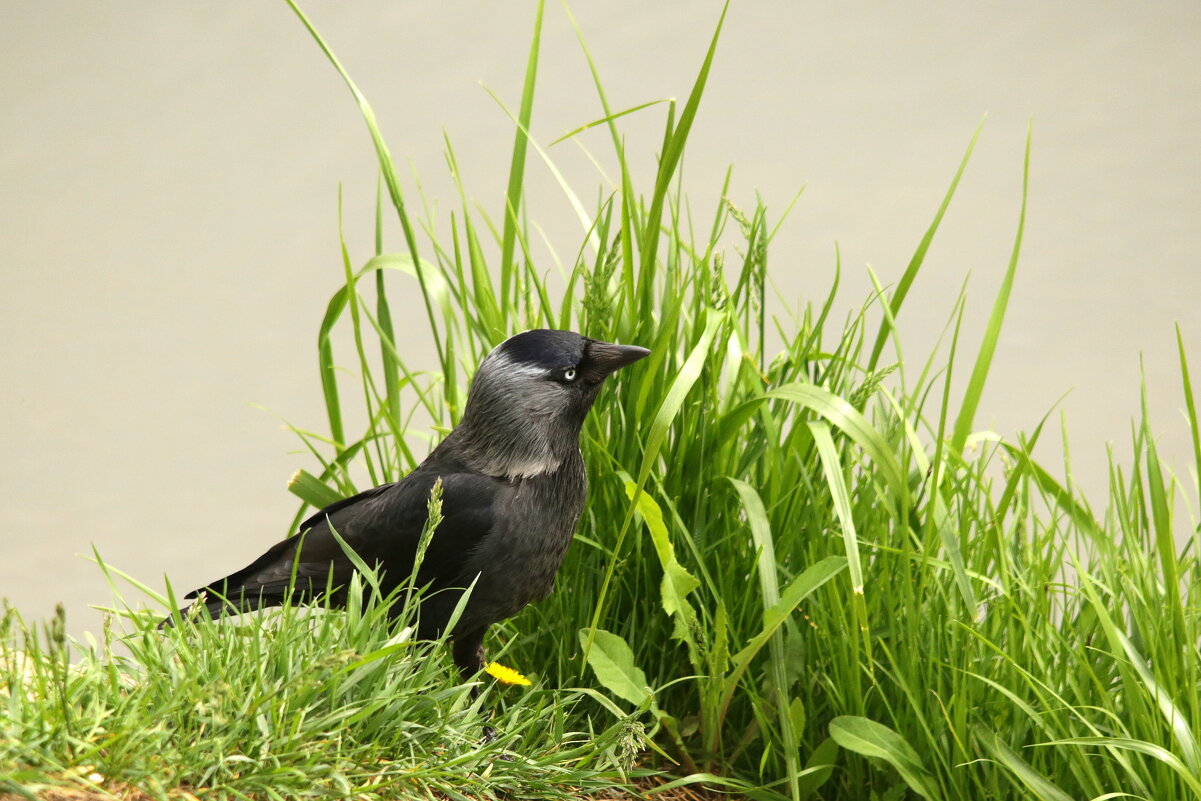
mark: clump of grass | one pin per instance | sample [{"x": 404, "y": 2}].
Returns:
[{"x": 297, "y": 702}]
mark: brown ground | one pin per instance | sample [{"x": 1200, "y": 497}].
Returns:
[{"x": 66, "y": 793}]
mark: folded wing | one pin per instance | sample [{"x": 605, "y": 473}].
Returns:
[{"x": 383, "y": 526}]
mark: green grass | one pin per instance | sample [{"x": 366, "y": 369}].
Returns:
[
  {"x": 297, "y": 703},
  {"x": 801, "y": 570}
]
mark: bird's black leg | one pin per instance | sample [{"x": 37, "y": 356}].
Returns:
[{"x": 468, "y": 652}]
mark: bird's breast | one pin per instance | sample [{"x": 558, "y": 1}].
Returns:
[{"x": 517, "y": 562}]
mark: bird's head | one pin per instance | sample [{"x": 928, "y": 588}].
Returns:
[{"x": 530, "y": 396}]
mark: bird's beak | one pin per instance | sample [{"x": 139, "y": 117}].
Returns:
[{"x": 607, "y": 357}]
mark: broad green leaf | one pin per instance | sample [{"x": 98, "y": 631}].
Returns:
[
  {"x": 871, "y": 739},
  {"x": 796, "y": 713},
  {"x": 612, "y": 660},
  {"x": 819, "y": 767}
]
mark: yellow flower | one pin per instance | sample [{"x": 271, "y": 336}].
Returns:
[{"x": 505, "y": 675}]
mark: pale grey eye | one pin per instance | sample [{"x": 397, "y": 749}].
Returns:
[{"x": 569, "y": 374}]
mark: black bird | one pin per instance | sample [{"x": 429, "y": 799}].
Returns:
[{"x": 513, "y": 488}]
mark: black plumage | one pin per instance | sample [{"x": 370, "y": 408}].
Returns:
[{"x": 513, "y": 488}]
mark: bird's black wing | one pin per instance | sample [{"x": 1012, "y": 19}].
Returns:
[
  {"x": 382, "y": 525},
  {"x": 320, "y": 516}
]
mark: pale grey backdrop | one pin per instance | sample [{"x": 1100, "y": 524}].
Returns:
[{"x": 168, "y": 230}]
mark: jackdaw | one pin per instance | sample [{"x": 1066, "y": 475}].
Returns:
[{"x": 513, "y": 484}]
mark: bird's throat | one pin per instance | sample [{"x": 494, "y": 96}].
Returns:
[{"x": 510, "y": 452}]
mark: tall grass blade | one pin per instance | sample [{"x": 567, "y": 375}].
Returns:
[
  {"x": 606, "y": 119},
  {"x": 832, "y": 469},
  {"x": 673, "y": 149},
  {"x": 975, "y": 387},
  {"x": 919, "y": 256},
  {"x": 517, "y": 163},
  {"x": 383, "y": 313},
  {"x": 797, "y": 590},
  {"x": 1156, "y": 752},
  {"x": 1057, "y": 493},
  {"x": 386, "y": 168},
  {"x": 1191, "y": 410},
  {"x": 841, "y": 414},
  {"x": 586, "y": 221},
  {"x": 1165, "y": 541},
  {"x": 769, "y": 588}
]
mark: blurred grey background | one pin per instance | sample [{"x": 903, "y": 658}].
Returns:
[{"x": 169, "y": 176}]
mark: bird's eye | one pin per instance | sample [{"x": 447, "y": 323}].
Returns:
[{"x": 569, "y": 374}]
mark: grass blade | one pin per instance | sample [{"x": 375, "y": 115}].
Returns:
[
  {"x": 386, "y": 168},
  {"x": 1039, "y": 785},
  {"x": 1191, "y": 410},
  {"x": 1156, "y": 752},
  {"x": 832, "y": 468},
  {"x": 673, "y": 149},
  {"x": 975, "y": 387},
  {"x": 1178, "y": 722},
  {"x": 770, "y": 590},
  {"x": 919, "y": 256},
  {"x": 871, "y": 739},
  {"x": 677, "y": 581},
  {"x": 838, "y": 412},
  {"x": 312, "y": 490},
  {"x": 608, "y": 118},
  {"x": 797, "y": 590},
  {"x": 517, "y": 163}
]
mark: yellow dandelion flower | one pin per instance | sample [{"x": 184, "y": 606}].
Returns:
[{"x": 505, "y": 675}]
